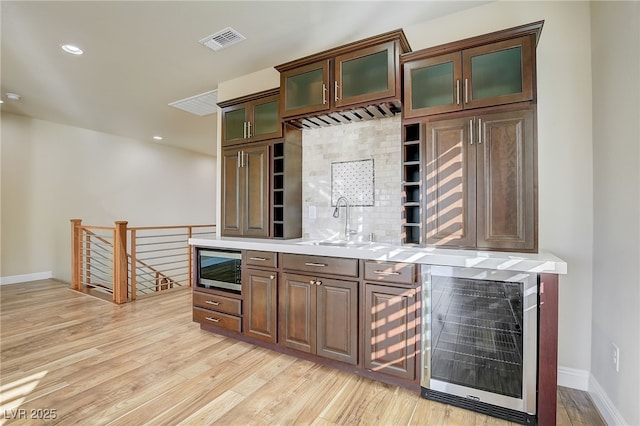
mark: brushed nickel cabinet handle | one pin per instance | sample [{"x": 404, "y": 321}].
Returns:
[
  {"x": 248, "y": 130},
  {"x": 211, "y": 302},
  {"x": 312, "y": 282},
  {"x": 320, "y": 265},
  {"x": 318, "y": 282},
  {"x": 324, "y": 94},
  {"x": 260, "y": 259},
  {"x": 273, "y": 277},
  {"x": 379, "y": 272},
  {"x": 466, "y": 90},
  {"x": 244, "y": 130},
  {"x": 479, "y": 130},
  {"x": 471, "y": 132},
  {"x": 458, "y": 92},
  {"x": 335, "y": 88},
  {"x": 212, "y": 319}
]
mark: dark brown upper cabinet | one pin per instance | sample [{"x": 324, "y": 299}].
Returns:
[
  {"x": 355, "y": 82},
  {"x": 251, "y": 118},
  {"x": 494, "y": 69}
]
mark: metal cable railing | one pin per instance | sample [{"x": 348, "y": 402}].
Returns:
[{"x": 133, "y": 262}]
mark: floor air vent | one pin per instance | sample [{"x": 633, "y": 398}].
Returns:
[{"x": 222, "y": 39}]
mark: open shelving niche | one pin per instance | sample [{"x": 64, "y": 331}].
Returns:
[
  {"x": 412, "y": 199},
  {"x": 286, "y": 193}
]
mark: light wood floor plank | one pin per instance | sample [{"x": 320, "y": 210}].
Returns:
[{"x": 148, "y": 363}]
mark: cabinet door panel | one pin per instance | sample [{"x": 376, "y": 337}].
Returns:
[
  {"x": 390, "y": 330},
  {"x": 433, "y": 85},
  {"x": 305, "y": 89},
  {"x": 234, "y": 120},
  {"x": 259, "y": 289},
  {"x": 506, "y": 198},
  {"x": 450, "y": 183},
  {"x": 499, "y": 73},
  {"x": 337, "y": 332},
  {"x": 265, "y": 120},
  {"x": 232, "y": 182},
  {"x": 298, "y": 313},
  {"x": 256, "y": 203},
  {"x": 365, "y": 75}
]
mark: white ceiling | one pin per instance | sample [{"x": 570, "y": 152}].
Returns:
[{"x": 142, "y": 55}]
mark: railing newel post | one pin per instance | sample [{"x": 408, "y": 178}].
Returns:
[
  {"x": 134, "y": 291},
  {"x": 76, "y": 283},
  {"x": 120, "y": 263}
]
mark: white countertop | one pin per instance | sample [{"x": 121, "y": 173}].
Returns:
[{"x": 526, "y": 262}]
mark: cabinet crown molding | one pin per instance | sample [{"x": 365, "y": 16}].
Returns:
[
  {"x": 532, "y": 29},
  {"x": 250, "y": 97},
  {"x": 367, "y": 42}
]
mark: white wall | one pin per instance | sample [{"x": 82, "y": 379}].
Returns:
[
  {"x": 615, "y": 45},
  {"x": 52, "y": 173}
]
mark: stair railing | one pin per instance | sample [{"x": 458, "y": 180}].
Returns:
[{"x": 130, "y": 262}]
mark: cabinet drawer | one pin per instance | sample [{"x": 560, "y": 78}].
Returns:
[
  {"x": 217, "y": 303},
  {"x": 321, "y": 264},
  {"x": 264, "y": 259},
  {"x": 217, "y": 319},
  {"x": 392, "y": 272}
]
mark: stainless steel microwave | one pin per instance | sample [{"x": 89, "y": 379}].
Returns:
[{"x": 219, "y": 270}]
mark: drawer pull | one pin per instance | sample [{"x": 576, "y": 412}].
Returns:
[
  {"x": 260, "y": 259},
  {"x": 212, "y": 319},
  {"x": 211, "y": 302},
  {"x": 379, "y": 272},
  {"x": 320, "y": 265},
  {"x": 318, "y": 282}
]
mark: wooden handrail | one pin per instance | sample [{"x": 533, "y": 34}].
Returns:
[{"x": 121, "y": 257}]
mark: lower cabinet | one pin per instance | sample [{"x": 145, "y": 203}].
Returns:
[
  {"x": 218, "y": 311},
  {"x": 390, "y": 321},
  {"x": 319, "y": 315},
  {"x": 259, "y": 290}
]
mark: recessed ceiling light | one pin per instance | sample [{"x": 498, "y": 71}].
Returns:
[
  {"x": 70, "y": 48},
  {"x": 13, "y": 96},
  {"x": 157, "y": 138}
]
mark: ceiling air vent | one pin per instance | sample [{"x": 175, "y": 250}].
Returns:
[
  {"x": 222, "y": 39},
  {"x": 202, "y": 104}
]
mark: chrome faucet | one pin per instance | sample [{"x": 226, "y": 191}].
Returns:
[{"x": 347, "y": 224}]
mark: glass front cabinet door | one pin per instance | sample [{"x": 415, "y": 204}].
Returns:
[
  {"x": 498, "y": 73},
  {"x": 364, "y": 75},
  {"x": 251, "y": 120},
  {"x": 433, "y": 85},
  {"x": 491, "y": 74},
  {"x": 306, "y": 89}
]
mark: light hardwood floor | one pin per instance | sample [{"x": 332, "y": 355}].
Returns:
[{"x": 90, "y": 362}]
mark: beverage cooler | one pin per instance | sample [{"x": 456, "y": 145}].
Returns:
[{"x": 479, "y": 340}]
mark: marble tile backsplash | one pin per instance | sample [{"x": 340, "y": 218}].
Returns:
[{"x": 379, "y": 140}]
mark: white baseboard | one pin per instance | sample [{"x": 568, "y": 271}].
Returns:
[
  {"x": 584, "y": 381},
  {"x": 14, "y": 279},
  {"x": 573, "y": 378},
  {"x": 607, "y": 409}
]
